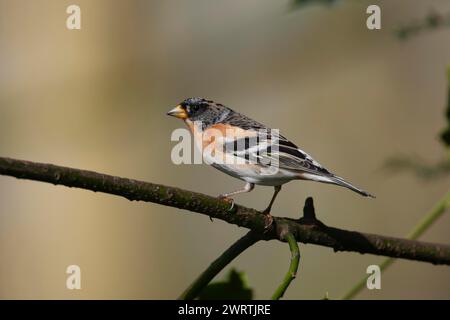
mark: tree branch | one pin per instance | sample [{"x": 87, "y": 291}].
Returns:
[{"x": 319, "y": 234}]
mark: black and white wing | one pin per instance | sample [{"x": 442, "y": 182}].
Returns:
[{"x": 272, "y": 149}]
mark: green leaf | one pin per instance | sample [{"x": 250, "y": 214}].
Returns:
[{"x": 234, "y": 287}]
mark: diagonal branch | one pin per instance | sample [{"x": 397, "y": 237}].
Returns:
[
  {"x": 339, "y": 240},
  {"x": 217, "y": 265},
  {"x": 293, "y": 267}
]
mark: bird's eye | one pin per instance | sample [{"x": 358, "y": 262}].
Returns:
[{"x": 195, "y": 108}]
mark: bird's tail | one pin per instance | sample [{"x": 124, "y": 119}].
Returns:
[
  {"x": 335, "y": 180},
  {"x": 341, "y": 182}
]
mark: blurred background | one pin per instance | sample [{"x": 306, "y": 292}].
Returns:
[{"x": 96, "y": 99}]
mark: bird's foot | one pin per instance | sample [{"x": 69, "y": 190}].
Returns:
[
  {"x": 227, "y": 199},
  {"x": 268, "y": 220}
]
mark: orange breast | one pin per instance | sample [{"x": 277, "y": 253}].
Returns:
[{"x": 214, "y": 137}]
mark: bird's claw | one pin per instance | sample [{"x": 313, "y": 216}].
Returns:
[
  {"x": 268, "y": 221},
  {"x": 227, "y": 199}
]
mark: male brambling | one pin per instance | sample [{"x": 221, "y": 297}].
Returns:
[{"x": 206, "y": 118}]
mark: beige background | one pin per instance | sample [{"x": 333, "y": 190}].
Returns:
[{"x": 96, "y": 99}]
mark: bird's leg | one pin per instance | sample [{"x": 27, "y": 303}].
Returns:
[
  {"x": 269, "y": 208},
  {"x": 226, "y": 196},
  {"x": 266, "y": 211},
  {"x": 247, "y": 188}
]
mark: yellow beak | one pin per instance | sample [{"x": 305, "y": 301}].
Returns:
[{"x": 178, "y": 112}]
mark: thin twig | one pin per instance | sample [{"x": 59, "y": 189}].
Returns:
[
  {"x": 338, "y": 239},
  {"x": 217, "y": 265},
  {"x": 434, "y": 214},
  {"x": 293, "y": 267}
]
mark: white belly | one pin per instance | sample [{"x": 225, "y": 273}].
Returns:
[{"x": 256, "y": 174}]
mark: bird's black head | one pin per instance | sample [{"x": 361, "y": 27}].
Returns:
[
  {"x": 194, "y": 107},
  {"x": 198, "y": 109}
]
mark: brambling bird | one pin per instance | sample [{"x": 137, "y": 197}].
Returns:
[{"x": 276, "y": 159}]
